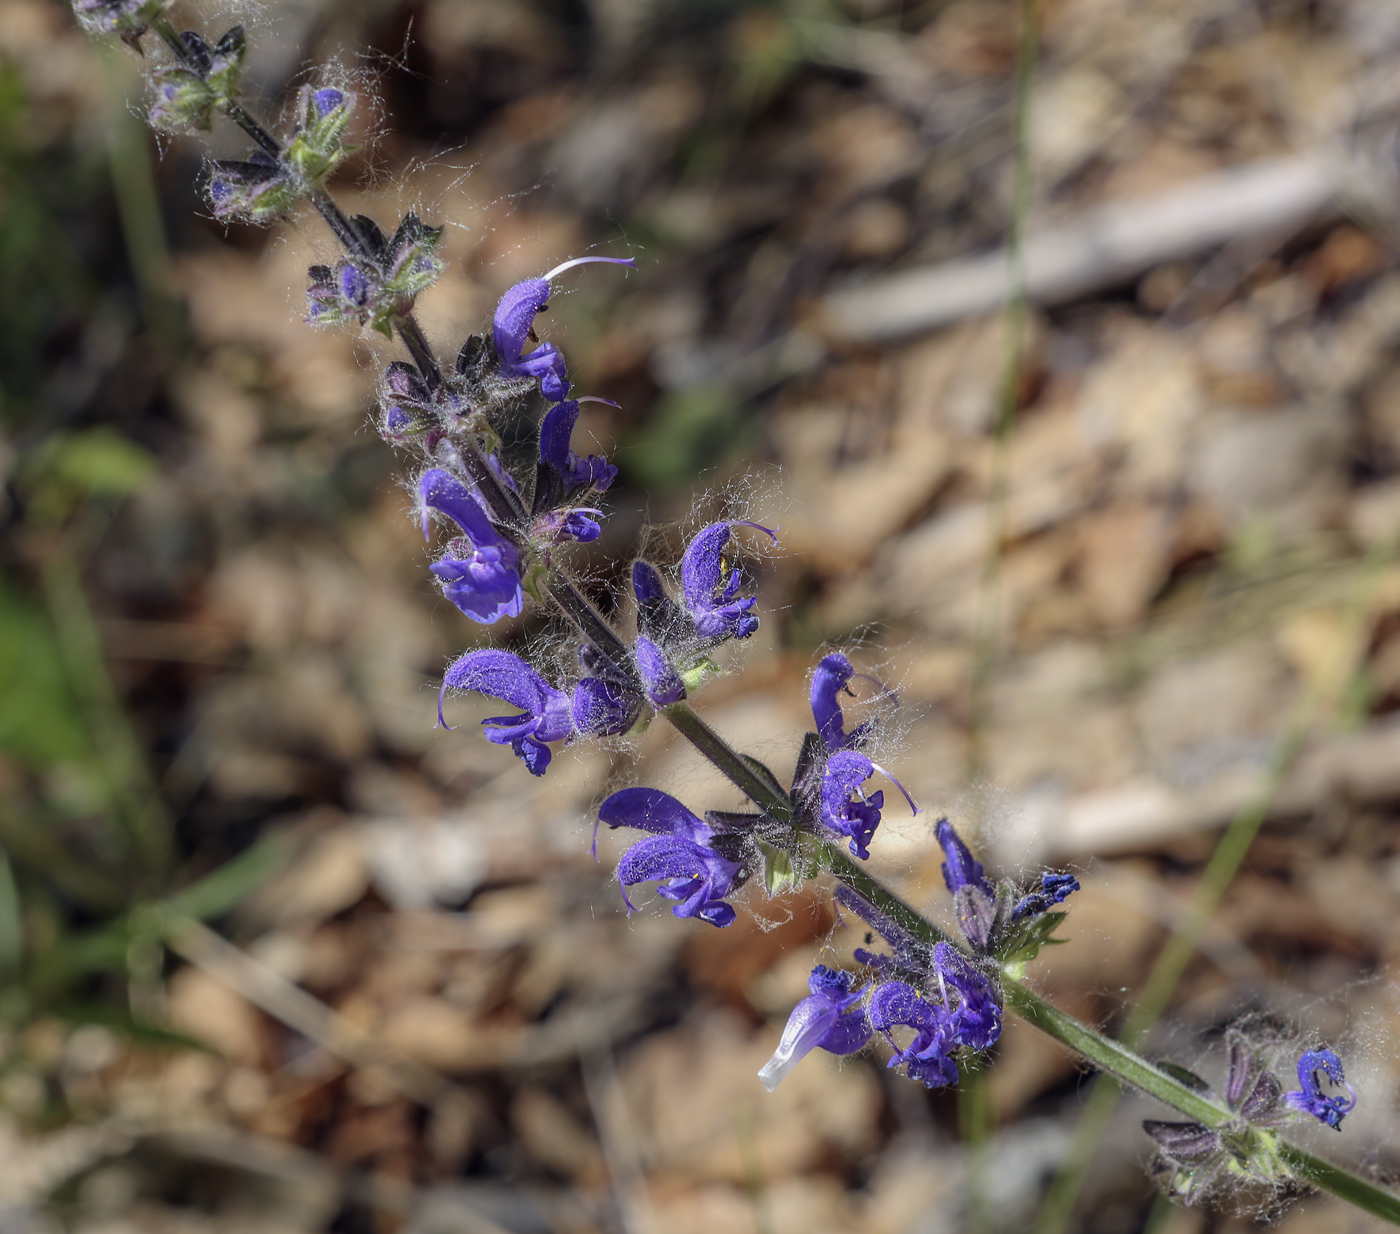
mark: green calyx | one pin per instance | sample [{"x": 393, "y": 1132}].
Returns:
[{"x": 319, "y": 145}]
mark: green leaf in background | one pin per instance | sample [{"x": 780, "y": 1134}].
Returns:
[
  {"x": 67, "y": 467},
  {"x": 691, "y": 429}
]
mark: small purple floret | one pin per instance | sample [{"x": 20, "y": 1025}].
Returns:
[
  {"x": 327, "y": 100},
  {"x": 677, "y": 854},
  {"x": 928, "y": 1057},
  {"x": 844, "y": 808},
  {"x": 712, "y": 586},
  {"x": 663, "y": 684},
  {"x": 548, "y": 713},
  {"x": 482, "y": 578},
  {"x": 1310, "y": 1099},
  {"x": 1054, "y": 889},
  {"x": 827, "y": 1019},
  {"x": 977, "y": 1017},
  {"x": 556, "y": 431},
  {"x": 515, "y": 318},
  {"x": 600, "y": 709}
]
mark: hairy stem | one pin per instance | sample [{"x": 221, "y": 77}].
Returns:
[
  {"x": 1112, "y": 1058},
  {"x": 1317, "y": 702},
  {"x": 326, "y": 206},
  {"x": 729, "y": 761}
]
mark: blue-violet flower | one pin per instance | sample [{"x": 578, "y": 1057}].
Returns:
[
  {"x": 595, "y": 708},
  {"x": 515, "y": 319},
  {"x": 977, "y": 1017},
  {"x": 928, "y": 1057},
  {"x": 678, "y": 854},
  {"x": 1310, "y": 1099},
  {"x": 853, "y": 816},
  {"x": 480, "y": 575},
  {"x": 826, "y": 1019},
  {"x": 711, "y": 585}
]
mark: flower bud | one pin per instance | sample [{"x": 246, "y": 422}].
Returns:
[
  {"x": 258, "y": 190},
  {"x": 319, "y": 144},
  {"x": 184, "y": 101},
  {"x": 127, "y": 18},
  {"x": 375, "y": 290}
]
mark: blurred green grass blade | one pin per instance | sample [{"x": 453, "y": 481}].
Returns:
[
  {"x": 135, "y": 797},
  {"x": 691, "y": 429},
  {"x": 228, "y": 886},
  {"x": 11, "y": 922},
  {"x": 40, "y": 721},
  {"x": 32, "y": 844}
]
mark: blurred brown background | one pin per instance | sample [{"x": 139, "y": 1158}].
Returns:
[{"x": 414, "y": 1002}]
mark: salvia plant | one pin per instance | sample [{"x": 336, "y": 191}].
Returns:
[{"x": 932, "y": 1002}]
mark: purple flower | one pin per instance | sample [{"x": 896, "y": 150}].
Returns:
[
  {"x": 677, "y": 854},
  {"x": 974, "y": 900},
  {"x": 977, "y": 1017},
  {"x": 480, "y": 575},
  {"x": 928, "y": 1057},
  {"x": 548, "y": 715},
  {"x": 1310, "y": 1098},
  {"x": 828, "y": 682},
  {"x": 556, "y": 432},
  {"x": 712, "y": 586},
  {"x": 515, "y": 319},
  {"x": 825, "y": 1019},
  {"x": 663, "y": 684},
  {"x": 854, "y": 817},
  {"x": 1054, "y": 888}
]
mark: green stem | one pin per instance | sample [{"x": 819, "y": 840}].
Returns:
[
  {"x": 1114, "y": 1059},
  {"x": 345, "y": 231},
  {"x": 1008, "y": 397},
  {"x": 1215, "y": 881},
  {"x": 729, "y": 761}
]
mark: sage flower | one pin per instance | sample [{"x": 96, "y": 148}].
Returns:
[{"x": 826, "y": 1019}]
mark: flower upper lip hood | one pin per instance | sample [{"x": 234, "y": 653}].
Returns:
[
  {"x": 515, "y": 318},
  {"x": 828, "y": 681}
]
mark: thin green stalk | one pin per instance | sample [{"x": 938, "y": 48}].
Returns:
[
  {"x": 1116, "y": 1060},
  {"x": 129, "y": 780},
  {"x": 138, "y": 209},
  {"x": 768, "y": 797},
  {"x": 1008, "y": 394},
  {"x": 1215, "y": 881}
]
